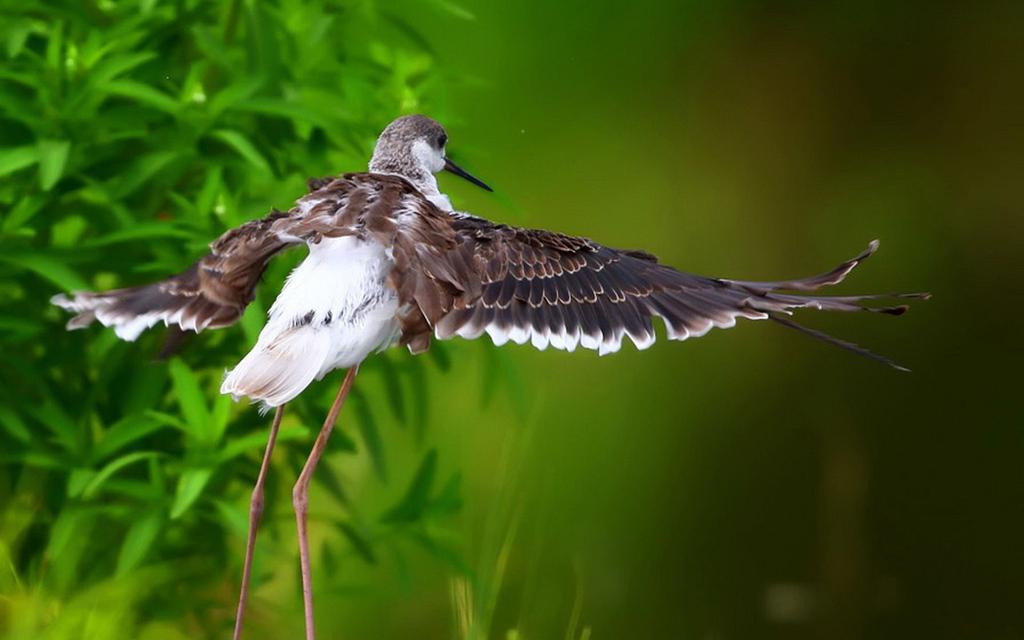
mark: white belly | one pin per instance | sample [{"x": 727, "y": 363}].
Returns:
[
  {"x": 334, "y": 310},
  {"x": 339, "y": 291}
]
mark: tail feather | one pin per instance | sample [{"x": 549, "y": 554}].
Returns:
[{"x": 279, "y": 367}]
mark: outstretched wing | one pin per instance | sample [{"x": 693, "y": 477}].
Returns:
[
  {"x": 214, "y": 291},
  {"x": 551, "y": 289},
  {"x": 211, "y": 293}
]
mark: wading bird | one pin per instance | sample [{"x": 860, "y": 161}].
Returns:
[{"x": 390, "y": 262}]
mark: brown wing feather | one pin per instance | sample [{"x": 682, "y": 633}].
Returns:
[
  {"x": 559, "y": 290},
  {"x": 552, "y": 289},
  {"x": 215, "y": 290},
  {"x": 211, "y": 293}
]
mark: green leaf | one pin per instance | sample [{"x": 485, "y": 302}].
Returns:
[
  {"x": 452, "y": 9},
  {"x": 53, "y": 155},
  {"x": 190, "y": 486},
  {"x": 116, "y": 65},
  {"x": 235, "y": 517},
  {"x": 65, "y": 431},
  {"x": 449, "y": 499},
  {"x": 142, "y": 93},
  {"x": 126, "y": 431},
  {"x": 359, "y": 543},
  {"x": 367, "y": 426},
  {"x": 142, "y": 231},
  {"x": 48, "y": 267},
  {"x": 14, "y": 425},
  {"x": 139, "y": 172},
  {"x": 257, "y": 441},
  {"x": 191, "y": 400},
  {"x": 112, "y": 467},
  {"x": 418, "y": 388},
  {"x": 17, "y": 34},
  {"x": 169, "y": 419},
  {"x": 252, "y": 321},
  {"x": 293, "y": 111},
  {"x": 18, "y": 108},
  {"x": 139, "y": 540},
  {"x": 15, "y": 158},
  {"x": 213, "y": 184},
  {"x": 246, "y": 149},
  {"x": 65, "y": 233},
  {"x": 144, "y": 390},
  {"x": 442, "y": 552},
  {"x": 19, "y": 328},
  {"x": 183, "y": 204},
  {"x": 78, "y": 479},
  {"x": 327, "y": 562},
  {"x": 327, "y": 478},
  {"x": 219, "y": 418},
  {"x": 439, "y": 354},
  {"x": 41, "y": 459},
  {"x": 27, "y": 80},
  {"x": 232, "y": 94},
  {"x": 416, "y": 497},
  {"x": 24, "y": 210},
  {"x": 70, "y": 524},
  {"x": 192, "y": 89},
  {"x": 55, "y": 45},
  {"x": 393, "y": 387}
]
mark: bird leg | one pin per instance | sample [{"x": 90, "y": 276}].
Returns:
[
  {"x": 255, "y": 511},
  {"x": 300, "y": 496}
]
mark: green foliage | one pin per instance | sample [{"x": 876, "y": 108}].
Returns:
[{"x": 131, "y": 134}]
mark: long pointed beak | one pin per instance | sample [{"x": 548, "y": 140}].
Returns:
[{"x": 451, "y": 167}]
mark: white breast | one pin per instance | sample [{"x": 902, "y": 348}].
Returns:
[{"x": 334, "y": 310}]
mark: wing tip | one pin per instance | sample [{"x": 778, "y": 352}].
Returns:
[
  {"x": 838, "y": 342},
  {"x": 80, "y": 321},
  {"x": 897, "y": 310}
]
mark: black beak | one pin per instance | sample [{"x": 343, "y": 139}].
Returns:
[{"x": 451, "y": 167}]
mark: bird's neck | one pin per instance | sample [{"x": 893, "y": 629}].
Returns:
[{"x": 423, "y": 180}]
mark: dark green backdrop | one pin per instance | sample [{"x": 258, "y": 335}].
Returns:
[{"x": 753, "y": 483}]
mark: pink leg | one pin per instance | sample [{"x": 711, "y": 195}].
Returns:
[
  {"x": 300, "y": 497},
  {"x": 255, "y": 511}
]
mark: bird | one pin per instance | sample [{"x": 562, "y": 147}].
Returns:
[{"x": 391, "y": 262}]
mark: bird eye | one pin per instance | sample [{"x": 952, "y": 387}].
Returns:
[{"x": 441, "y": 141}]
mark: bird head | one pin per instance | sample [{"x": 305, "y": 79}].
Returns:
[{"x": 414, "y": 147}]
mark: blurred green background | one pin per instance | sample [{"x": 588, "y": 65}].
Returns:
[{"x": 753, "y": 483}]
